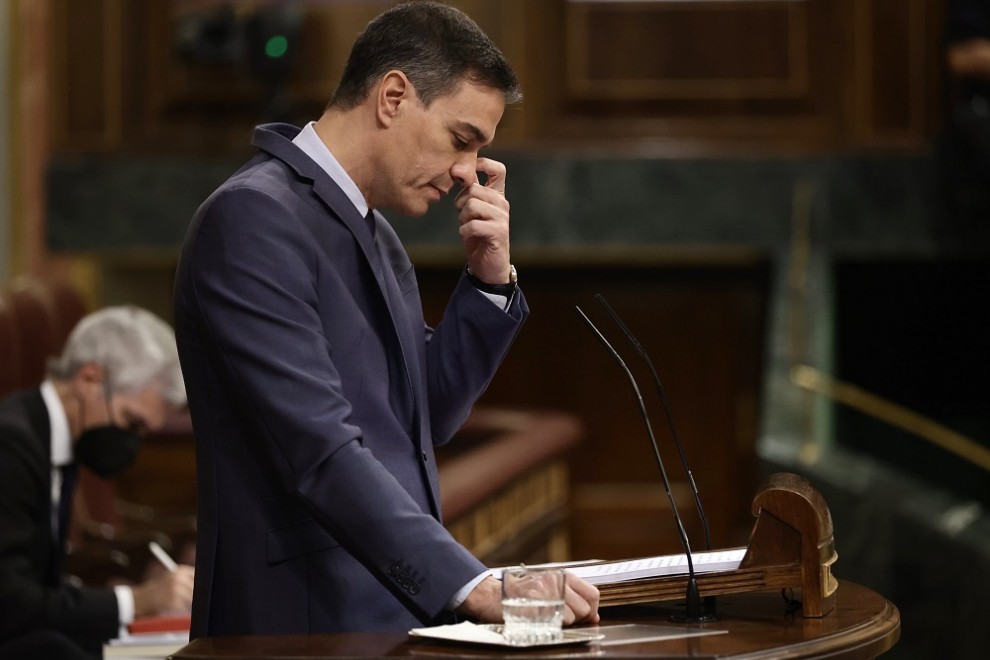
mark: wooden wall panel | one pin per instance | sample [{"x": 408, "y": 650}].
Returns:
[
  {"x": 689, "y": 72},
  {"x": 122, "y": 84},
  {"x": 702, "y": 323},
  {"x": 86, "y": 81},
  {"x": 664, "y": 50},
  {"x": 897, "y": 49},
  {"x": 714, "y": 74},
  {"x": 804, "y": 74}
]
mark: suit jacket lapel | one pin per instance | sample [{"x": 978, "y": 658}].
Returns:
[
  {"x": 388, "y": 261},
  {"x": 37, "y": 417},
  {"x": 387, "y": 275},
  {"x": 407, "y": 322},
  {"x": 277, "y": 141}
]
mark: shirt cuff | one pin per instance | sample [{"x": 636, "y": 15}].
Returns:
[
  {"x": 462, "y": 595},
  {"x": 502, "y": 302},
  {"x": 125, "y": 606}
]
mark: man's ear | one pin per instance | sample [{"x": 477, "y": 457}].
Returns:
[
  {"x": 82, "y": 381},
  {"x": 90, "y": 372},
  {"x": 394, "y": 90}
]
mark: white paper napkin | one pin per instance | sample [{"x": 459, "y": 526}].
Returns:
[{"x": 461, "y": 632}]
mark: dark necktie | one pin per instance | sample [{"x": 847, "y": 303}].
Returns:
[{"x": 65, "y": 501}]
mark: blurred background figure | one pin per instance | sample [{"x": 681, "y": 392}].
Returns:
[
  {"x": 116, "y": 379},
  {"x": 967, "y": 56}
]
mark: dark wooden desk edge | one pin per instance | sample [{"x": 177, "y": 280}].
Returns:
[{"x": 875, "y": 633}]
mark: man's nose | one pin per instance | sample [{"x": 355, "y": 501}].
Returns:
[{"x": 465, "y": 170}]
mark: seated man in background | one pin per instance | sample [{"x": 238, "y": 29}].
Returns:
[{"x": 118, "y": 377}]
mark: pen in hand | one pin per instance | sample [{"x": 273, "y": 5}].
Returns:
[{"x": 163, "y": 557}]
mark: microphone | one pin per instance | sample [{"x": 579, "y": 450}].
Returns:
[
  {"x": 709, "y": 600},
  {"x": 695, "y": 613},
  {"x": 666, "y": 411}
]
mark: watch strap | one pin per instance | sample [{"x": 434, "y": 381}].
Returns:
[{"x": 506, "y": 289}]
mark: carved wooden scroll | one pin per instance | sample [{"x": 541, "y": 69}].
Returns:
[{"x": 791, "y": 546}]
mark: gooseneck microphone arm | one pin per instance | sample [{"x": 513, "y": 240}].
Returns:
[
  {"x": 666, "y": 411},
  {"x": 694, "y": 608}
]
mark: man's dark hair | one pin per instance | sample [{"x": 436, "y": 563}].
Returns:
[{"x": 436, "y": 46}]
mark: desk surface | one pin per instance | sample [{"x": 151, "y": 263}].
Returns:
[{"x": 863, "y": 625}]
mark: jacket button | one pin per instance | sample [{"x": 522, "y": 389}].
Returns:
[{"x": 423, "y": 454}]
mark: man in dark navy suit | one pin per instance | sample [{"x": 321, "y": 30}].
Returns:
[
  {"x": 118, "y": 376},
  {"x": 316, "y": 389}
]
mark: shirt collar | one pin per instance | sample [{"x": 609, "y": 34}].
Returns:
[
  {"x": 61, "y": 439},
  {"x": 314, "y": 147}
]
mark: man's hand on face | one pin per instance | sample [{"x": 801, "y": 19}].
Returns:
[{"x": 484, "y": 219}]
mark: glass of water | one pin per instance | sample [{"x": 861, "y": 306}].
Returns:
[{"x": 533, "y": 604}]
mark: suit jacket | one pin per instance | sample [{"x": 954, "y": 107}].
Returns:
[
  {"x": 33, "y": 594},
  {"x": 317, "y": 395}
]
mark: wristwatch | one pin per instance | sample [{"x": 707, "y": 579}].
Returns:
[{"x": 497, "y": 289}]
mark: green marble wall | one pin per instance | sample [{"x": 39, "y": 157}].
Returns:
[{"x": 879, "y": 203}]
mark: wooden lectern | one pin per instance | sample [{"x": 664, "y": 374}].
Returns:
[{"x": 791, "y": 546}]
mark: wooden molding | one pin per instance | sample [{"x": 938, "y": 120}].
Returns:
[{"x": 784, "y": 24}]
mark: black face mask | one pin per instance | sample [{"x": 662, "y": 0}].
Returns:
[{"x": 107, "y": 450}]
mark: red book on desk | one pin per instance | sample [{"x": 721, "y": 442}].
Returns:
[{"x": 154, "y": 624}]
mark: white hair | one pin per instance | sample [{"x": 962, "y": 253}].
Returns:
[{"x": 135, "y": 347}]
